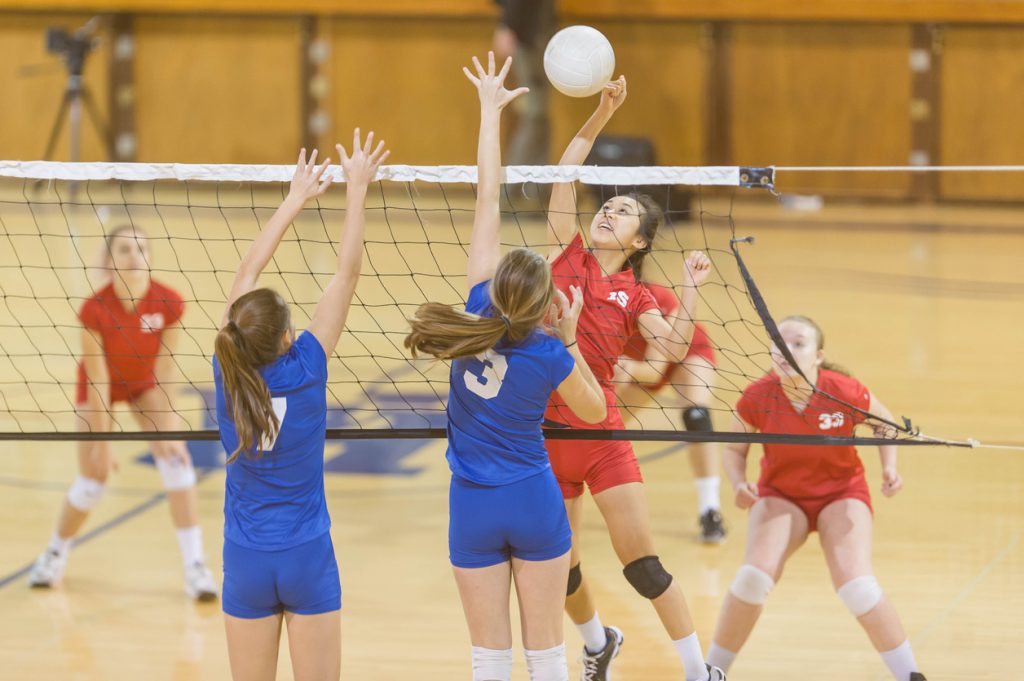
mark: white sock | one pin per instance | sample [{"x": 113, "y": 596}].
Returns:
[
  {"x": 492, "y": 665},
  {"x": 592, "y": 631},
  {"x": 707, "y": 494},
  {"x": 547, "y": 665},
  {"x": 720, "y": 657},
  {"x": 190, "y": 541},
  {"x": 59, "y": 545},
  {"x": 900, "y": 661},
  {"x": 693, "y": 660}
]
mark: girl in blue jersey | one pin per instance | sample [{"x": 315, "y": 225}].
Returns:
[
  {"x": 507, "y": 520},
  {"x": 272, "y": 413}
]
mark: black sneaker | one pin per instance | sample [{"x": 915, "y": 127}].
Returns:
[
  {"x": 714, "y": 673},
  {"x": 917, "y": 676},
  {"x": 595, "y": 665},
  {"x": 712, "y": 529}
]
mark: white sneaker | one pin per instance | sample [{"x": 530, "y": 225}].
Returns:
[
  {"x": 48, "y": 570},
  {"x": 199, "y": 583},
  {"x": 714, "y": 673}
]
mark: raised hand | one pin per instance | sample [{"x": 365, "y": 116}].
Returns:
[
  {"x": 491, "y": 85},
  {"x": 613, "y": 94},
  {"x": 696, "y": 268},
  {"x": 565, "y": 315},
  {"x": 361, "y": 167},
  {"x": 308, "y": 181}
]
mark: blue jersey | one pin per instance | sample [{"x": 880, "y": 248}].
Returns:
[
  {"x": 277, "y": 501},
  {"x": 496, "y": 404}
]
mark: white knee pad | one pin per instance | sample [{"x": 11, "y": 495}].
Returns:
[
  {"x": 491, "y": 664},
  {"x": 752, "y": 585},
  {"x": 547, "y": 665},
  {"x": 177, "y": 475},
  {"x": 85, "y": 493},
  {"x": 860, "y": 594}
]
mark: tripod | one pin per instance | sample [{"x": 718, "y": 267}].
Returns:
[{"x": 75, "y": 48}]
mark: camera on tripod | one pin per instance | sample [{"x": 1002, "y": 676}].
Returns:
[{"x": 74, "y": 47}]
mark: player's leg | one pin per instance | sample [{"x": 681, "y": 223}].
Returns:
[
  {"x": 624, "y": 508},
  {"x": 253, "y": 647},
  {"x": 484, "y": 593},
  {"x": 845, "y": 527},
  {"x": 153, "y": 411},
  {"x": 776, "y": 528},
  {"x": 314, "y": 642},
  {"x": 694, "y": 380},
  {"x": 94, "y": 463},
  {"x": 541, "y": 594}
]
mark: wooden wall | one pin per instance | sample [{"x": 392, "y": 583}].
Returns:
[{"x": 786, "y": 87}]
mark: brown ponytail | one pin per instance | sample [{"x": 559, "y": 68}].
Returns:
[
  {"x": 521, "y": 293},
  {"x": 251, "y": 339},
  {"x": 651, "y": 217},
  {"x": 807, "y": 321}
]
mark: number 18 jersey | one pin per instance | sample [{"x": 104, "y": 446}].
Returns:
[{"x": 496, "y": 404}]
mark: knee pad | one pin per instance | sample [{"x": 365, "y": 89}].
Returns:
[
  {"x": 697, "y": 419},
  {"x": 752, "y": 585},
  {"x": 647, "y": 576},
  {"x": 177, "y": 475},
  {"x": 85, "y": 493},
  {"x": 575, "y": 579},
  {"x": 860, "y": 594},
  {"x": 547, "y": 665},
  {"x": 491, "y": 664}
]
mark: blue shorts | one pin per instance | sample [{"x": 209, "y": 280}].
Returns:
[
  {"x": 490, "y": 525},
  {"x": 303, "y": 580}
]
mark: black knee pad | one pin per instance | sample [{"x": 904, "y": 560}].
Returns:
[
  {"x": 575, "y": 579},
  {"x": 647, "y": 576},
  {"x": 697, "y": 419}
]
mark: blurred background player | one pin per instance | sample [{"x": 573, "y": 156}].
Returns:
[
  {"x": 644, "y": 370},
  {"x": 506, "y": 517},
  {"x": 616, "y": 305},
  {"x": 523, "y": 30},
  {"x": 808, "y": 488},
  {"x": 272, "y": 412},
  {"x": 130, "y": 332}
]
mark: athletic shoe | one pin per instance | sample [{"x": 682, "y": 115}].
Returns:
[
  {"x": 714, "y": 673},
  {"x": 199, "y": 584},
  {"x": 712, "y": 529},
  {"x": 595, "y": 665},
  {"x": 48, "y": 569},
  {"x": 917, "y": 676}
]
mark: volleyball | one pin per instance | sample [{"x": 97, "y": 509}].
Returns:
[{"x": 579, "y": 60}]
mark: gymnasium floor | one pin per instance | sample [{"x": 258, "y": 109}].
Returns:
[{"x": 922, "y": 304}]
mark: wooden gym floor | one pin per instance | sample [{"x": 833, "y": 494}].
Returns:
[{"x": 922, "y": 304}]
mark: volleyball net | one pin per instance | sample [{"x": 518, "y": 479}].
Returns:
[{"x": 199, "y": 220}]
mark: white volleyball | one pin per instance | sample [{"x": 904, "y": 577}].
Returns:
[{"x": 579, "y": 60}]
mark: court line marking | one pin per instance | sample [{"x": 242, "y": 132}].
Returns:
[{"x": 965, "y": 592}]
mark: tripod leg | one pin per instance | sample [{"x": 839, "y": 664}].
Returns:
[
  {"x": 97, "y": 121},
  {"x": 58, "y": 123}
]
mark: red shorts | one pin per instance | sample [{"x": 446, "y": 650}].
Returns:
[
  {"x": 857, "y": 488},
  {"x": 700, "y": 346},
  {"x": 601, "y": 464},
  {"x": 119, "y": 392}
]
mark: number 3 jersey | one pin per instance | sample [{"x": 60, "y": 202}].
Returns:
[
  {"x": 803, "y": 471},
  {"x": 496, "y": 404},
  {"x": 276, "y": 501}
]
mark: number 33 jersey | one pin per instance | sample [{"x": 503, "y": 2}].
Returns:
[
  {"x": 803, "y": 471},
  {"x": 496, "y": 403},
  {"x": 275, "y": 501}
]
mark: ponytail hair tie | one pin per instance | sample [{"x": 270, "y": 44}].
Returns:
[{"x": 507, "y": 322}]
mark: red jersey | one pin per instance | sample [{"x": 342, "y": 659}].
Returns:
[
  {"x": 802, "y": 471},
  {"x": 131, "y": 339},
  {"x": 668, "y": 303},
  {"x": 612, "y": 304}
]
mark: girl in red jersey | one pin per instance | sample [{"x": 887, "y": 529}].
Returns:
[
  {"x": 616, "y": 305},
  {"x": 130, "y": 331},
  {"x": 643, "y": 370},
  {"x": 806, "y": 488}
]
